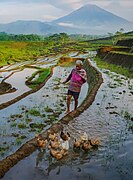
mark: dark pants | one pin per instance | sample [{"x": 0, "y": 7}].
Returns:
[{"x": 74, "y": 94}]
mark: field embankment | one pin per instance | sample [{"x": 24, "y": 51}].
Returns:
[
  {"x": 125, "y": 42},
  {"x": 121, "y": 55}
]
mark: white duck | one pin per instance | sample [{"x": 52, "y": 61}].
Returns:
[{"x": 84, "y": 137}]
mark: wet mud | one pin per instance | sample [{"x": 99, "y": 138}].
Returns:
[{"x": 6, "y": 88}]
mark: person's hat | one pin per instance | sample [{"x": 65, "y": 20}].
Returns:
[{"x": 79, "y": 62}]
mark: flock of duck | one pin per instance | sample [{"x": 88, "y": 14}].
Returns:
[{"x": 59, "y": 143}]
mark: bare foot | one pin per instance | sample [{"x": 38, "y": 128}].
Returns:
[{"x": 67, "y": 112}]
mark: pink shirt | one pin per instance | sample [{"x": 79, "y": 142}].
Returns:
[{"x": 76, "y": 81}]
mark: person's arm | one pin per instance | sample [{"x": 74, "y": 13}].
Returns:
[
  {"x": 68, "y": 78},
  {"x": 84, "y": 80},
  {"x": 83, "y": 75}
]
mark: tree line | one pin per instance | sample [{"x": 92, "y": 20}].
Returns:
[
  {"x": 21, "y": 37},
  {"x": 33, "y": 37}
]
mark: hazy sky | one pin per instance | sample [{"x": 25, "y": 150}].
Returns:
[{"x": 48, "y": 10}]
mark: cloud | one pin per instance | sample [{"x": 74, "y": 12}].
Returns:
[
  {"x": 28, "y": 11},
  {"x": 47, "y": 10},
  {"x": 67, "y": 24},
  {"x": 122, "y": 8},
  {"x": 70, "y": 5}
]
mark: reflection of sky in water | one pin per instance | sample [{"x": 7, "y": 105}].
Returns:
[
  {"x": 53, "y": 95},
  {"x": 7, "y": 70},
  {"x": 113, "y": 159},
  {"x": 48, "y": 65},
  {"x": 3, "y": 75},
  {"x": 17, "y": 80},
  {"x": 73, "y": 54},
  {"x": 10, "y": 67}
]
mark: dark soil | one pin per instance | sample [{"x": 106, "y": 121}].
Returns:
[
  {"x": 6, "y": 88},
  {"x": 120, "y": 59},
  {"x": 125, "y": 42},
  {"x": 116, "y": 56}
]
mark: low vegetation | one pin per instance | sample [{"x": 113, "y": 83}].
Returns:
[
  {"x": 42, "y": 75},
  {"x": 21, "y": 48},
  {"x": 17, "y": 48},
  {"x": 113, "y": 67},
  {"x": 115, "y": 53}
]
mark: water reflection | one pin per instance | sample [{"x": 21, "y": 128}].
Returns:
[
  {"x": 107, "y": 119},
  {"x": 49, "y": 103},
  {"x": 17, "y": 81},
  {"x": 39, "y": 158}
]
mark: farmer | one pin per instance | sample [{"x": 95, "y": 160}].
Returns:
[{"x": 77, "y": 78}]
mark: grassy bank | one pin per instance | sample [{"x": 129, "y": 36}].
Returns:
[
  {"x": 42, "y": 74},
  {"x": 114, "y": 68}
]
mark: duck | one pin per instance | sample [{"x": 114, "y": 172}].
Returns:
[
  {"x": 84, "y": 137},
  {"x": 95, "y": 142},
  {"x": 64, "y": 136},
  {"x": 86, "y": 146},
  {"x": 53, "y": 136},
  {"x": 41, "y": 142},
  {"x": 58, "y": 154},
  {"x": 54, "y": 144},
  {"x": 77, "y": 143},
  {"x": 65, "y": 144}
]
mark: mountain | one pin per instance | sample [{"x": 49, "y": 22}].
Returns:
[
  {"x": 89, "y": 19},
  {"x": 28, "y": 27}
]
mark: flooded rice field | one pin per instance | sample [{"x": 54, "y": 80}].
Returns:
[
  {"x": 35, "y": 113},
  {"x": 17, "y": 80},
  {"x": 110, "y": 118}
]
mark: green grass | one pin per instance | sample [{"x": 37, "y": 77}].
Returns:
[
  {"x": 121, "y": 52},
  {"x": 37, "y": 125},
  {"x": 127, "y": 115},
  {"x": 114, "y": 68},
  {"x": 102, "y": 42},
  {"x": 48, "y": 109},
  {"x": 14, "y": 124},
  {"x": 3, "y": 149},
  {"x": 34, "y": 112},
  {"x": 18, "y": 141},
  {"x": 57, "y": 79},
  {"x": 21, "y": 126},
  {"x": 13, "y": 51},
  {"x": 43, "y": 74},
  {"x": 16, "y": 116}
]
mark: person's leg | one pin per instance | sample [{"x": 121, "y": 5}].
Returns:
[
  {"x": 68, "y": 103},
  {"x": 76, "y": 96},
  {"x": 76, "y": 104}
]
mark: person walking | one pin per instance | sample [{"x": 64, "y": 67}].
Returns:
[{"x": 77, "y": 78}]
